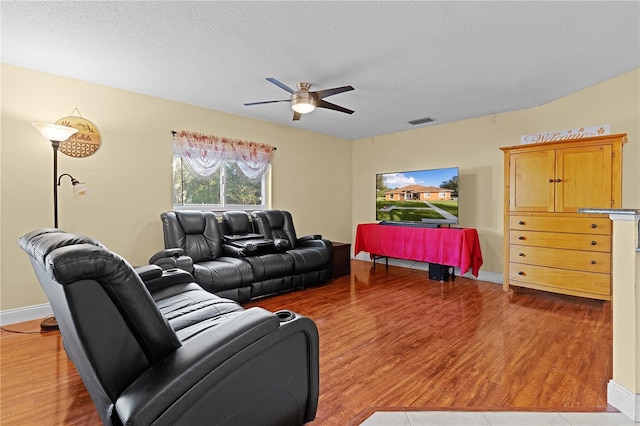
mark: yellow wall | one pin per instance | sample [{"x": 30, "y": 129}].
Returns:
[
  {"x": 473, "y": 145},
  {"x": 131, "y": 175}
]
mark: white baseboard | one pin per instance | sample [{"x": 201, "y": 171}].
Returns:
[
  {"x": 624, "y": 400},
  {"x": 491, "y": 277},
  {"x": 27, "y": 313}
]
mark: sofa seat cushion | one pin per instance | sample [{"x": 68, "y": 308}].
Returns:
[
  {"x": 310, "y": 259},
  {"x": 273, "y": 265},
  {"x": 224, "y": 273},
  {"x": 190, "y": 310}
]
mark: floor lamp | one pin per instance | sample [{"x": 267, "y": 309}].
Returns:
[{"x": 55, "y": 134}]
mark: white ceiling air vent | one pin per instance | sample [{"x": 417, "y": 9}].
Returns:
[{"x": 421, "y": 121}]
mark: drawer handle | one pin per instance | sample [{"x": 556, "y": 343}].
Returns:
[
  {"x": 521, "y": 237},
  {"x": 521, "y": 254},
  {"x": 593, "y": 262},
  {"x": 522, "y": 222},
  {"x": 594, "y": 243},
  {"x": 520, "y": 273},
  {"x": 594, "y": 225}
]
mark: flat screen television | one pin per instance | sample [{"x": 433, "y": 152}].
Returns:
[{"x": 421, "y": 197}]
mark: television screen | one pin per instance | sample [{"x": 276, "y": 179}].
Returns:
[{"x": 421, "y": 196}]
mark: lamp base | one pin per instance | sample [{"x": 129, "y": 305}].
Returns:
[{"x": 49, "y": 324}]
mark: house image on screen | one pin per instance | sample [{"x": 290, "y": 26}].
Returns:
[{"x": 418, "y": 192}]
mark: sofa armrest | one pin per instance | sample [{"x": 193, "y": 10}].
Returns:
[
  {"x": 247, "y": 247},
  {"x": 309, "y": 238},
  {"x": 233, "y": 250},
  {"x": 282, "y": 244},
  {"x": 172, "y": 258},
  {"x": 172, "y": 252},
  {"x": 164, "y": 386},
  {"x": 149, "y": 272},
  {"x": 168, "y": 278},
  {"x": 208, "y": 379},
  {"x": 318, "y": 243}
]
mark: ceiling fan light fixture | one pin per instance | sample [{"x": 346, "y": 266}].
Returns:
[{"x": 303, "y": 102}]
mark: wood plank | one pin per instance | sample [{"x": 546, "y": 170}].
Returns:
[{"x": 389, "y": 338}]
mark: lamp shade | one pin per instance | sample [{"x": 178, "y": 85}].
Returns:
[
  {"x": 80, "y": 191},
  {"x": 55, "y": 132}
]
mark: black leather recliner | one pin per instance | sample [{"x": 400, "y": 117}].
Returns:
[
  {"x": 312, "y": 255},
  {"x": 153, "y": 347},
  {"x": 273, "y": 269},
  {"x": 199, "y": 241}
]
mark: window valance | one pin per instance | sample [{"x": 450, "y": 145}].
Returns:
[{"x": 204, "y": 154}]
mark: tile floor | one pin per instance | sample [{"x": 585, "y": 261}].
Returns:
[{"x": 495, "y": 418}]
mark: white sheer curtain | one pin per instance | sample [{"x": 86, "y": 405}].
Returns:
[
  {"x": 204, "y": 154},
  {"x": 252, "y": 158}
]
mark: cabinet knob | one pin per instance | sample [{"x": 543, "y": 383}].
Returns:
[
  {"x": 558, "y": 180},
  {"x": 551, "y": 180},
  {"x": 594, "y": 225},
  {"x": 594, "y": 243},
  {"x": 520, "y": 273},
  {"x": 593, "y": 262},
  {"x": 521, "y": 254},
  {"x": 521, "y": 237},
  {"x": 521, "y": 222}
]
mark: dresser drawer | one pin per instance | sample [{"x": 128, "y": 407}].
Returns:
[
  {"x": 559, "y": 258},
  {"x": 593, "y": 242},
  {"x": 579, "y": 225},
  {"x": 561, "y": 279}
]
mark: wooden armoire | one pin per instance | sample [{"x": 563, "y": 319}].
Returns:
[{"x": 548, "y": 244}]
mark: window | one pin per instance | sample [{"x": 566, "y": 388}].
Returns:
[
  {"x": 219, "y": 173},
  {"x": 227, "y": 188}
]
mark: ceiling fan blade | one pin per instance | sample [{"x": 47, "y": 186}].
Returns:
[
  {"x": 281, "y": 85},
  {"x": 267, "y": 102},
  {"x": 296, "y": 116},
  {"x": 328, "y": 92},
  {"x": 324, "y": 104}
]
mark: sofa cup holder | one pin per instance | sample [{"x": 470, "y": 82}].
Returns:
[{"x": 285, "y": 316}]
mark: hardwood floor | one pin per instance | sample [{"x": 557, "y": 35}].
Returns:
[{"x": 389, "y": 339}]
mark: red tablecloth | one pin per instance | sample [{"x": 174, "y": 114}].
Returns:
[{"x": 458, "y": 247}]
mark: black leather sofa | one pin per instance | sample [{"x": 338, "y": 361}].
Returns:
[
  {"x": 243, "y": 256},
  {"x": 153, "y": 347}
]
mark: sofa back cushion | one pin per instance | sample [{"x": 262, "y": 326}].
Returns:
[
  {"x": 276, "y": 224},
  {"x": 237, "y": 223},
  {"x": 196, "y": 232}
]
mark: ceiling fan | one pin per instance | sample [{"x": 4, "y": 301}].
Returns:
[{"x": 303, "y": 101}]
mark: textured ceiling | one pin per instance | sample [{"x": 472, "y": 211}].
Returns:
[{"x": 406, "y": 60}]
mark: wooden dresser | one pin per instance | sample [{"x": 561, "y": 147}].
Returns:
[{"x": 548, "y": 245}]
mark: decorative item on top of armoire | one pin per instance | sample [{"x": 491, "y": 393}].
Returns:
[{"x": 548, "y": 244}]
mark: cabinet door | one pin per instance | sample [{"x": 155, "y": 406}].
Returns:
[
  {"x": 531, "y": 180},
  {"x": 583, "y": 178}
]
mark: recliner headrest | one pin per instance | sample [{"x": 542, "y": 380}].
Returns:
[
  {"x": 192, "y": 222},
  {"x": 275, "y": 218},
  {"x": 237, "y": 222},
  {"x": 40, "y": 242}
]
